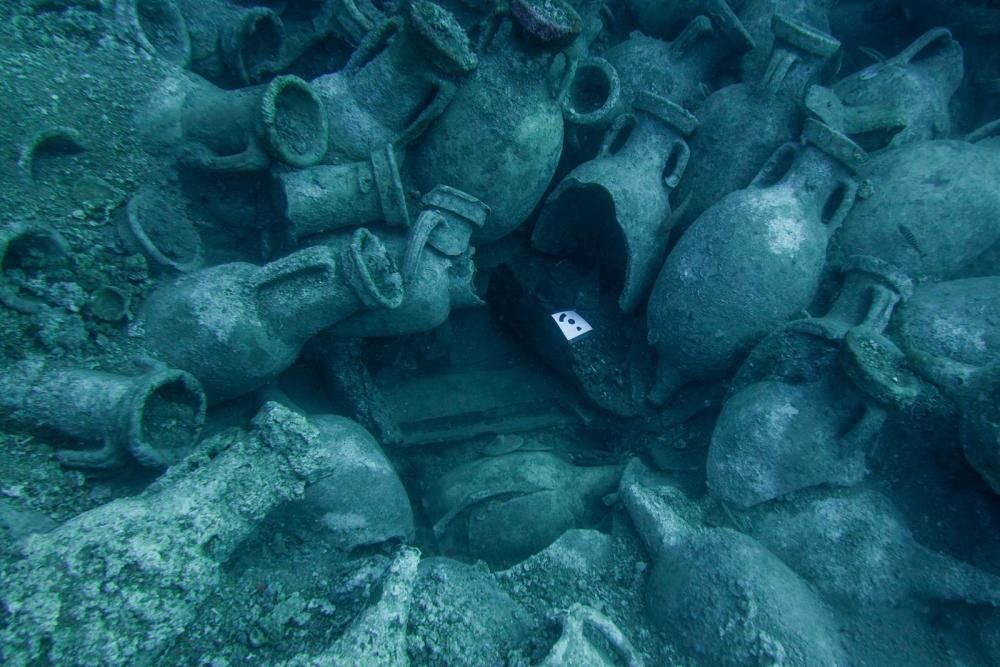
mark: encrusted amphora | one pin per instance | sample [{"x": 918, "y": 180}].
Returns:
[
  {"x": 741, "y": 125},
  {"x": 794, "y": 420},
  {"x": 616, "y": 207},
  {"x": 750, "y": 262},
  {"x": 933, "y": 206},
  {"x": 501, "y": 137},
  {"x": 236, "y": 326},
  {"x": 401, "y": 78}
]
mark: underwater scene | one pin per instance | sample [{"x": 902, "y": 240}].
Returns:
[{"x": 529, "y": 333}]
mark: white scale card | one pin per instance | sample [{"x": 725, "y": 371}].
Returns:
[{"x": 571, "y": 324}]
